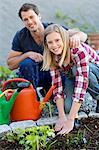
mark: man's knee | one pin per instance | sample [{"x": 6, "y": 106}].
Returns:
[{"x": 28, "y": 62}]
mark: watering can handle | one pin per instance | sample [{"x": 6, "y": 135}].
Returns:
[
  {"x": 6, "y": 91},
  {"x": 14, "y": 80}
]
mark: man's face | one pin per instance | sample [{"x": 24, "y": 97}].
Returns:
[{"x": 31, "y": 20}]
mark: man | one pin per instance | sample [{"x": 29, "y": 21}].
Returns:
[{"x": 27, "y": 47}]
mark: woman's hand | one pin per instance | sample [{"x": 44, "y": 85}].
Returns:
[
  {"x": 59, "y": 124},
  {"x": 67, "y": 126}
]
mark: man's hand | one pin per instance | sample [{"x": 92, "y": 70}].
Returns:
[
  {"x": 35, "y": 56},
  {"x": 74, "y": 41},
  {"x": 76, "y": 36}
]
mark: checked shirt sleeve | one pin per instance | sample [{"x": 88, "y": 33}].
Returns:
[
  {"x": 80, "y": 56},
  {"x": 57, "y": 81}
]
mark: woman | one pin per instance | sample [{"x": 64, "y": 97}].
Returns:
[{"x": 60, "y": 59}]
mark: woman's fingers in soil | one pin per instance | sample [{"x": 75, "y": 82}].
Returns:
[
  {"x": 58, "y": 127},
  {"x": 64, "y": 131}
]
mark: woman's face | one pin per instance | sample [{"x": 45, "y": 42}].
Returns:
[{"x": 54, "y": 43}]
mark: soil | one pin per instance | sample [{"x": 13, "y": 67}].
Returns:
[{"x": 88, "y": 138}]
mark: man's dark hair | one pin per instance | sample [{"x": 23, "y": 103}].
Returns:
[{"x": 26, "y": 7}]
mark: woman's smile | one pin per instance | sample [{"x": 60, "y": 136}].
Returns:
[{"x": 55, "y": 43}]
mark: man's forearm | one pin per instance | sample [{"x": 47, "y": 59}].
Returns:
[
  {"x": 82, "y": 36},
  {"x": 13, "y": 63}
]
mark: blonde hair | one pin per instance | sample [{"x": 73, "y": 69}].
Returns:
[{"x": 48, "y": 56}]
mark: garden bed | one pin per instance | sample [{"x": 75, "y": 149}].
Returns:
[{"x": 86, "y": 137}]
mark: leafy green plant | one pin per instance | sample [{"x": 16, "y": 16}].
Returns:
[
  {"x": 35, "y": 138},
  {"x": 6, "y": 74},
  {"x": 43, "y": 138}
]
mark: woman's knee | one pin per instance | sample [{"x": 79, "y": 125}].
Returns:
[
  {"x": 93, "y": 87},
  {"x": 67, "y": 105},
  {"x": 68, "y": 92}
]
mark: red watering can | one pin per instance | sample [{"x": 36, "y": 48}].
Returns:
[{"x": 26, "y": 105}]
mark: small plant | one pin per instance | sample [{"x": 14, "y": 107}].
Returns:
[
  {"x": 50, "y": 110},
  {"x": 35, "y": 138},
  {"x": 77, "y": 140},
  {"x": 6, "y": 74}
]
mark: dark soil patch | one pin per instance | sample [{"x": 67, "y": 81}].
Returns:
[
  {"x": 89, "y": 130},
  {"x": 5, "y": 145}
]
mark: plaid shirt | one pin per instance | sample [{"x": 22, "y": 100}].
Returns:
[{"x": 80, "y": 57}]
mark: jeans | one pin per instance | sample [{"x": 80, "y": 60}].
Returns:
[
  {"x": 93, "y": 86},
  {"x": 31, "y": 71}
]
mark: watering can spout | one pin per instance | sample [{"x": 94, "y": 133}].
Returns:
[
  {"x": 49, "y": 93},
  {"x": 46, "y": 98}
]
